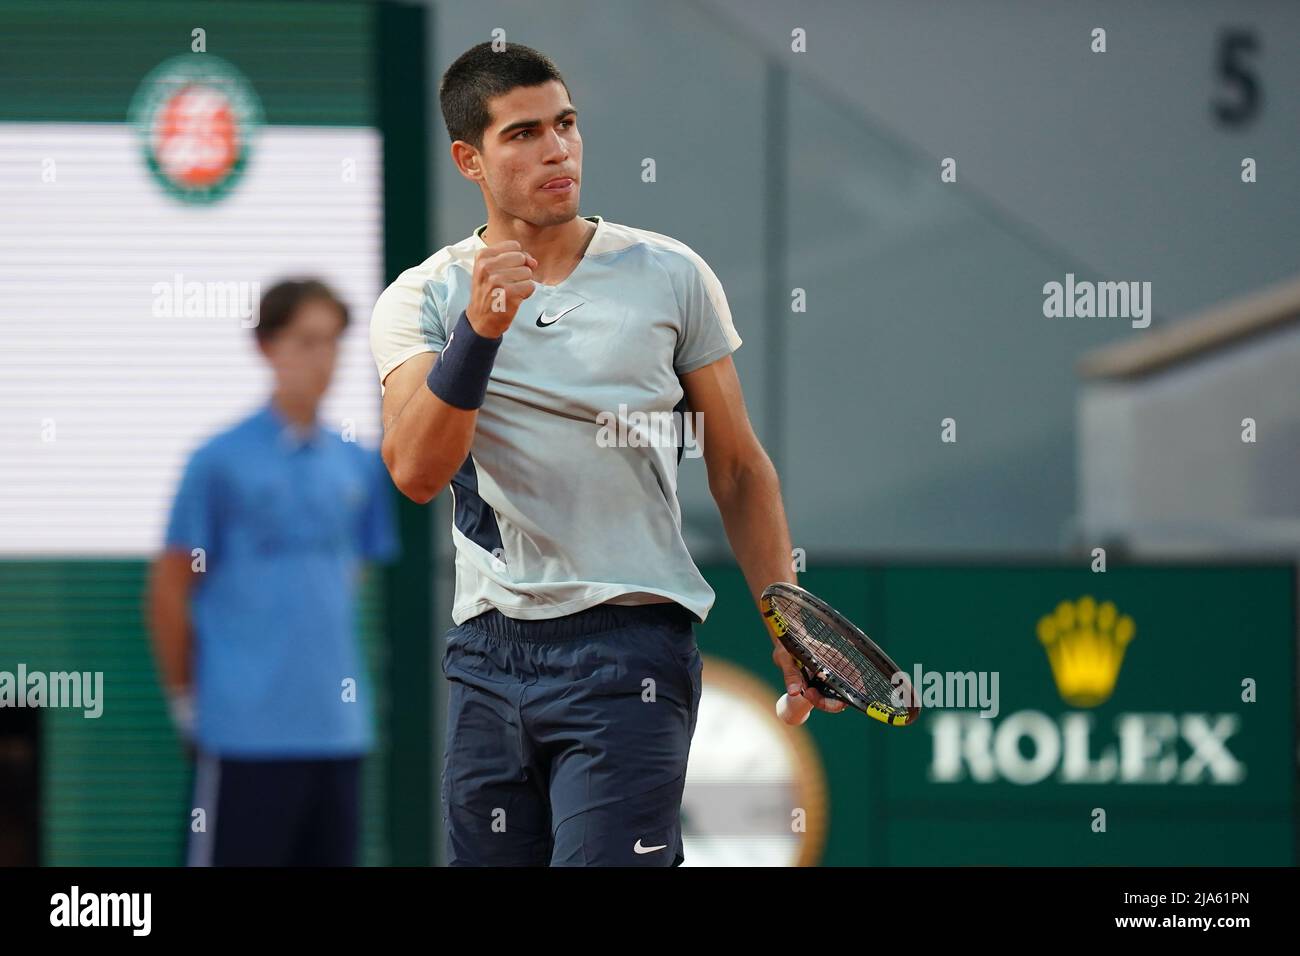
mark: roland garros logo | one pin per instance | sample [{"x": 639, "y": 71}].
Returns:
[{"x": 196, "y": 115}]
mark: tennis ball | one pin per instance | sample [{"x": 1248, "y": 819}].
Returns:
[{"x": 793, "y": 711}]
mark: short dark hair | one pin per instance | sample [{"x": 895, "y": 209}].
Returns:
[
  {"x": 481, "y": 73},
  {"x": 282, "y": 300}
]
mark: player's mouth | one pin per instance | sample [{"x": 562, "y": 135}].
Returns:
[{"x": 561, "y": 185}]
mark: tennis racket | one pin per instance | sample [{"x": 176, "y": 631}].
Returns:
[{"x": 836, "y": 659}]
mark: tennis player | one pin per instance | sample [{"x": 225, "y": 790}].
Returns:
[{"x": 573, "y": 668}]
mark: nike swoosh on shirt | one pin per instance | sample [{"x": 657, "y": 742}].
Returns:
[
  {"x": 544, "y": 315},
  {"x": 648, "y": 849}
]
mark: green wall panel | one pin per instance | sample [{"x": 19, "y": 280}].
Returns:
[
  {"x": 1200, "y": 631},
  {"x": 82, "y": 60}
]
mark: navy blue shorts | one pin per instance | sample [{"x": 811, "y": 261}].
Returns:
[
  {"x": 567, "y": 738},
  {"x": 276, "y": 812}
]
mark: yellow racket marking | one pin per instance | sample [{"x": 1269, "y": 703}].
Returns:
[
  {"x": 880, "y": 713},
  {"x": 774, "y": 620}
]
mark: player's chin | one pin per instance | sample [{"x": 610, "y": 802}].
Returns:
[
  {"x": 555, "y": 216},
  {"x": 565, "y": 202}
]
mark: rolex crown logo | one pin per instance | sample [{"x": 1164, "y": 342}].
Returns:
[{"x": 1085, "y": 646}]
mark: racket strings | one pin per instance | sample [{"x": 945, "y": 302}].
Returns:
[{"x": 832, "y": 652}]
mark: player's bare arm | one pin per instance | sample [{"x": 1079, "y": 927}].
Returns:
[
  {"x": 747, "y": 490},
  {"x": 426, "y": 439}
]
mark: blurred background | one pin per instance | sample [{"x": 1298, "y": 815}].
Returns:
[{"x": 885, "y": 190}]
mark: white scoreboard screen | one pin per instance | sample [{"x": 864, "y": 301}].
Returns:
[{"x": 139, "y": 225}]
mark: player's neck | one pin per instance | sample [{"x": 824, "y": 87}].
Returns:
[{"x": 557, "y": 249}]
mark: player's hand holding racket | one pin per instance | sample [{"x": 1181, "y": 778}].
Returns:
[
  {"x": 503, "y": 278},
  {"x": 831, "y": 662},
  {"x": 800, "y": 698}
]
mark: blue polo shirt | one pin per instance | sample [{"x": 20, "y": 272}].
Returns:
[{"x": 285, "y": 518}]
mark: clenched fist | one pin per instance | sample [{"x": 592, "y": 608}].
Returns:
[{"x": 503, "y": 278}]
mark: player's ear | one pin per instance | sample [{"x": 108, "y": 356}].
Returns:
[{"x": 467, "y": 159}]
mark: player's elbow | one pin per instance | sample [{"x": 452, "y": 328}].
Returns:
[
  {"x": 413, "y": 484},
  {"x": 741, "y": 473},
  {"x": 419, "y": 494},
  {"x": 419, "y": 483}
]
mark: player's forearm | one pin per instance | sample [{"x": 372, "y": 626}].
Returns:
[
  {"x": 754, "y": 518},
  {"x": 427, "y": 444}
]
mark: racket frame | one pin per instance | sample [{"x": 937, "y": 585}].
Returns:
[{"x": 832, "y": 685}]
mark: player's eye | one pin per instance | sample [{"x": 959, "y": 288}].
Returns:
[{"x": 521, "y": 133}]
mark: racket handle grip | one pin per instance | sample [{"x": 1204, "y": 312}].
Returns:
[{"x": 793, "y": 710}]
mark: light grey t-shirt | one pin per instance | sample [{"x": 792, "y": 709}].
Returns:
[{"x": 569, "y": 496}]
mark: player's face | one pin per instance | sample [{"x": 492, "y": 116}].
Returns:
[
  {"x": 519, "y": 160},
  {"x": 303, "y": 354}
]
